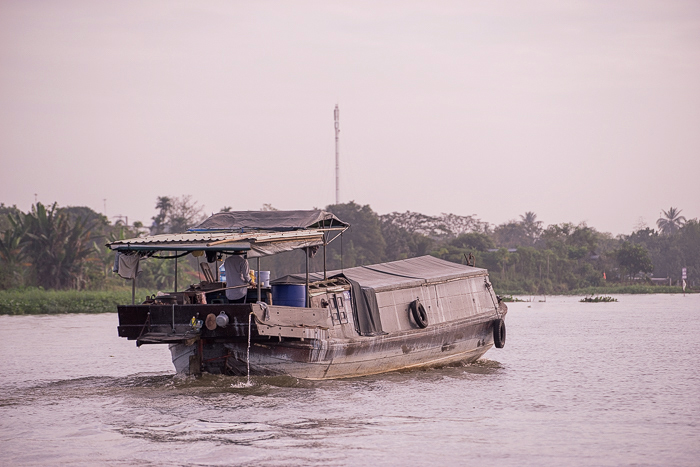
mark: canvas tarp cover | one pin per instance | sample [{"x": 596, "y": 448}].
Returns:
[
  {"x": 409, "y": 273},
  {"x": 270, "y": 220},
  {"x": 368, "y": 280},
  {"x": 400, "y": 274}
]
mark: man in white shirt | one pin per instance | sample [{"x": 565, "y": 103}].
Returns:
[{"x": 237, "y": 273}]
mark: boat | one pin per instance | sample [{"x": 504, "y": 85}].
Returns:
[{"x": 317, "y": 325}]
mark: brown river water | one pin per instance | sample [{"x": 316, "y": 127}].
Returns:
[{"x": 576, "y": 384}]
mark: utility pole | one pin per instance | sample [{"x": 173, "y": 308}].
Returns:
[{"x": 336, "y": 115}]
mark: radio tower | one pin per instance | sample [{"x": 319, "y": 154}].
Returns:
[{"x": 336, "y": 115}]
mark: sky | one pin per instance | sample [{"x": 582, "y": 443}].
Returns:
[{"x": 579, "y": 111}]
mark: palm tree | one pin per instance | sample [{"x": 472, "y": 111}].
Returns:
[
  {"x": 671, "y": 222},
  {"x": 164, "y": 205},
  {"x": 533, "y": 227}
]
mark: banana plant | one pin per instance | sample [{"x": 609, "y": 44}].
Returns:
[{"x": 55, "y": 247}]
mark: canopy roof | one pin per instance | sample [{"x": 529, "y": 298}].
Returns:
[
  {"x": 271, "y": 220},
  {"x": 410, "y": 272},
  {"x": 260, "y": 233}
]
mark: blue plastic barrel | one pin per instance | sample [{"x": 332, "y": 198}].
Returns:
[{"x": 289, "y": 295}]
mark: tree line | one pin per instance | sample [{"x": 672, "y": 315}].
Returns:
[
  {"x": 63, "y": 248},
  {"x": 523, "y": 256}
]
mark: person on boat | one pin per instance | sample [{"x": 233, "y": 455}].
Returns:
[{"x": 237, "y": 274}]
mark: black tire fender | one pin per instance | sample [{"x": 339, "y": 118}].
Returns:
[
  {"x": 499, "y": 333},
  {"x": 418, "y": 313}
]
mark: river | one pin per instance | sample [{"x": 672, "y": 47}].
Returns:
[{"x": 576, "y": 384}]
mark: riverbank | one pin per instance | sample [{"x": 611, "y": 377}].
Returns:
[
  {"x": 610, "y": 289},
  {"x": 34, "y": 301}
]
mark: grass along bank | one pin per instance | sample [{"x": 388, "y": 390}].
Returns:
[
  {"x": 607, "y": 290},
  {"x": 630, "y": 289},
  {"x": 35, "y": 301}
]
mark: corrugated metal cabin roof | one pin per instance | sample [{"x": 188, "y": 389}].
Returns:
[
  {"x": 177, "y": 238},
  {"x": 213, "y": 240}
]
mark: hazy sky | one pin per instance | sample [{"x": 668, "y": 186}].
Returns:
[{"x": 576, "y": 110}]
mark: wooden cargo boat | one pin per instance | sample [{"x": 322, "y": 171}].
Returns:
[{"x": 359, "y": 321}]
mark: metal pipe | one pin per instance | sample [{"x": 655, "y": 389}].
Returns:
[
  {"x": 176, "y": 274},
  {"x": 306, "y": 254},
  {"x": 257, "y": 279},
  {"x": 325, "y": 273},
  {"x": 336, "y": 116}
]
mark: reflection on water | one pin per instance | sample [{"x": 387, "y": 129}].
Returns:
[{"x": 576, "y": 384}]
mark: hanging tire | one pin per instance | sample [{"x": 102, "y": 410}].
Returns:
[
  {"x": 499, "y": 333},
  {"x": 418, "y": 313}
]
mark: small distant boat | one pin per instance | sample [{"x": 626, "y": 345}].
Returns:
[{"x": 365, "y": 320}]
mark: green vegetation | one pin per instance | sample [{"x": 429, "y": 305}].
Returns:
[
  {"x": 525, "y": 258},
  {"x": 510, "y": 298},
  {"x": 51, "y": 249},
  {"x": 64, "y": 248},
  {"x": 34, "y": 301},
  {"x": 627, "y": 289},
  {"x": 597, "y": 299}
]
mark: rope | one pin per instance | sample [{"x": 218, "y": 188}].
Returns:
[{"x": 488, "y": 286}]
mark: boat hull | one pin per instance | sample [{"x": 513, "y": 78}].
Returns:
[{"x": 319, "y": 359}]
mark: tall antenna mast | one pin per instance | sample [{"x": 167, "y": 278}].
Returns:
[{"x": 336, "y": 115}]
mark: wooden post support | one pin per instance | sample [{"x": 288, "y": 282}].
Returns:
[
  {"x": 257, "y": 279},
  {"x": 195, "y": 366},
  {"x": 306, "y": 255},
  {"x": 325, "y": 273}
]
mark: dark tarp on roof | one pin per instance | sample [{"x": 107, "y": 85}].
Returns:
[
  {"x": 368, "y": 280},
  {"x": 409, "y": 273},
  {"x": 270, "y": 220},
  {"x": 400, "y": 274}
]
